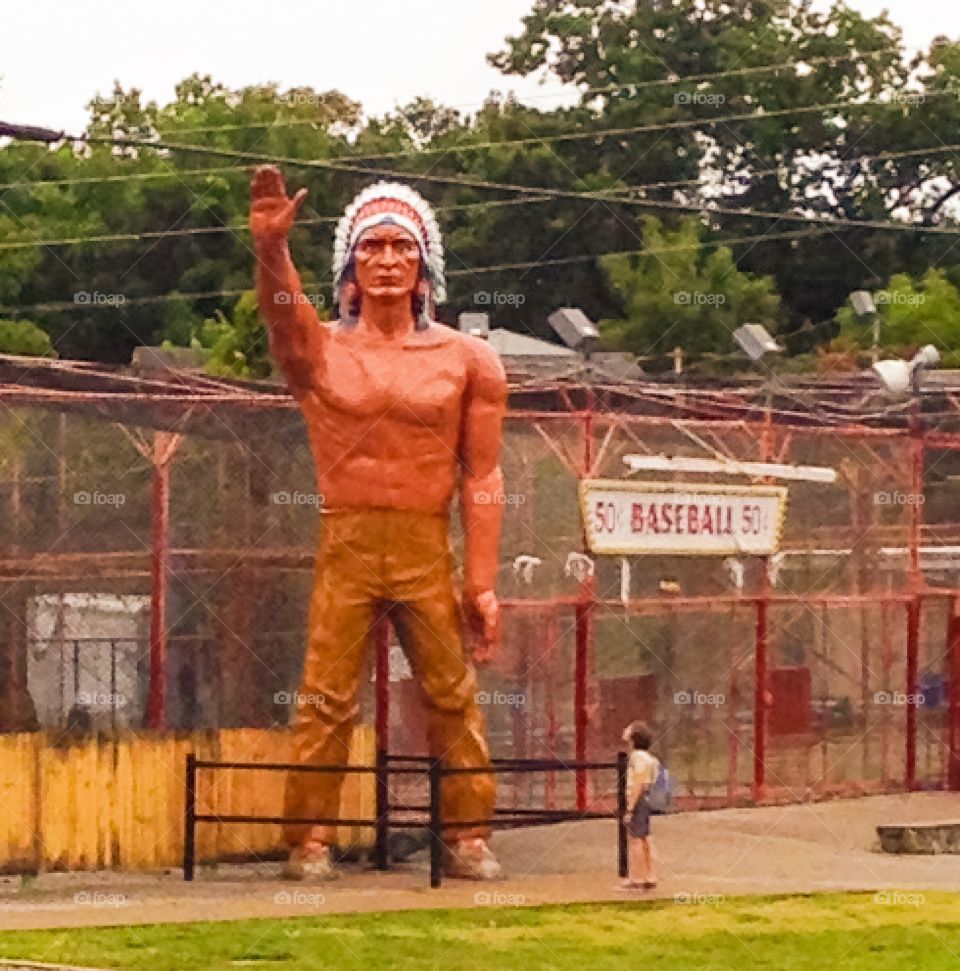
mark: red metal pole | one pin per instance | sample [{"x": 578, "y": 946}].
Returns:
[
  {"x": 767, "y": 448},
  {"x": 885, "y": 745},
  {"x": 580, "y": 700},
  {"x": 159, "y": 556},
  {"x": 915, "y": 585},
  {"x": 953, "y": 725},
  {"x": 583, "y": 632},
  {"x": 913, "y": 671},
  {"x": 550, "y": 784},
  {"x": 733, "y": 733},
  {"x": 760, "y": 703},
  {"x": 381, "y": 635},
  {"x": 916, "y": 506}
]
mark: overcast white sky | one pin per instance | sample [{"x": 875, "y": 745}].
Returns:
[{"x": 56, "y": 54}]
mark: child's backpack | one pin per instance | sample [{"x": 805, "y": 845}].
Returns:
[{"x": 659, "y": 796}]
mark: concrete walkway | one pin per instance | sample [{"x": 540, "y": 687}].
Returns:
[{"x": 703, "y": 857}]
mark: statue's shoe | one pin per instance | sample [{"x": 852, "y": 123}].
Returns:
[
  {"x": 471, "y": 860},
  {"x": 311, "y": 861}
]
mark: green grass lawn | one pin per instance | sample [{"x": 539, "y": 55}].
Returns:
[{"x": 836, "y": 931}]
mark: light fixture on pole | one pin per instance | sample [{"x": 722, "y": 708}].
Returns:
[
  {"x": 865, "y": 306},
  {"x": 575, "y": 329},
  {"x": 755, "y": 341},
  {"x": 902, "y": 377}
]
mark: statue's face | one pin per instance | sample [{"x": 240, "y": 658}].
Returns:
[{"x": 387, "y": 263}]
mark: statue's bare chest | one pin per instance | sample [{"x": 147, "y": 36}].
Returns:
[{"x": 423, "y": 384}]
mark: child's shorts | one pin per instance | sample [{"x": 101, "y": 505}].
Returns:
[{"x": 639, "y": 824}]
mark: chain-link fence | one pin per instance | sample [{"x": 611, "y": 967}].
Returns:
[{"x": 822, "y": 668}]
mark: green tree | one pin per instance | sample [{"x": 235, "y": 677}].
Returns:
[
  {"x": 236, "y": 346},
  {"x": 24, "y": 337},
  {"x": 912, "y": 313},
  {"x": 681, "y": 293},
  {"x": 625, "y": 57}
]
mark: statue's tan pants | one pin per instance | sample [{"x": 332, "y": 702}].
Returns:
[{"x": 367, "y": 556}]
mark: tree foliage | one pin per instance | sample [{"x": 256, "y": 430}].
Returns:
[
  {"x": 911, "y": 313},
  {"x": 24, "y": 337},
  {"x": 679, "y": 294},
  {"x": 677, "y": 107}
]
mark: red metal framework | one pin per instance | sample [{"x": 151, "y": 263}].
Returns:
[{"x": 584, "y": 426}]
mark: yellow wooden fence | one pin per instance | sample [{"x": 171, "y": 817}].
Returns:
[{"x": 106, "y": 802}]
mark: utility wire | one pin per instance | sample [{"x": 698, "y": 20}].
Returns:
[
  {"x": 60, "y": 306},
  {"x": 240, "y": 227},
  {"x": 630, "y": 87},
  {"x": 679, "y": 125},
  {"x": 232, "y": 228},
  {"x": 606, "y": 195},
  {"x": 45, "y": 135},
  {"x": 244, "y": 169},
  {"x": 603, "y": 195}
]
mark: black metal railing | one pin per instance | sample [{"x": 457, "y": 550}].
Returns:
[{"x": 387, "y": 765}]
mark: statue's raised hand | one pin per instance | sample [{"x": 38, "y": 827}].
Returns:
[{"x": 272, "y": 211}]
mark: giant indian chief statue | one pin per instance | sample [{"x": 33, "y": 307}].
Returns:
[{"x": 402, "y": 413}]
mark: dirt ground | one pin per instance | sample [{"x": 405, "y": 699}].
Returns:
[{"x": 780, "y": 850}]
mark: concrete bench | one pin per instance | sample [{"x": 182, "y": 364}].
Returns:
[{"x": 942, "y": 837}]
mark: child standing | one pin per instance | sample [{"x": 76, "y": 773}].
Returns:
[{"x": 642, "y": 773}]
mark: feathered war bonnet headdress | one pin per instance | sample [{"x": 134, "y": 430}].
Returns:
[{"x": 399, "y": 205}]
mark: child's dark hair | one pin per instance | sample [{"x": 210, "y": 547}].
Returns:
[{"x": 640, "y": 736}]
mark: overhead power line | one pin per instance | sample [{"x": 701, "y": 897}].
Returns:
[
  {"x": 585, "y": 135},
  {"x": 148, "y": 235},
  {"x": 603, "y": 195},
  {"x": 628, "y": 87},
  {"x": 545, "y": 139},
  {"x": 182, "y": 174},
  {"x": 127, "y": 177},
  {"x": 613, "y": 195},
  {"x": 60, "y": 306}
]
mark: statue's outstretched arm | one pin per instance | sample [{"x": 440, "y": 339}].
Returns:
[{"x": 296, "y": 335}]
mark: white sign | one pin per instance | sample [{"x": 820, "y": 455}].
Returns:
[{"x": 627, "y": 518}]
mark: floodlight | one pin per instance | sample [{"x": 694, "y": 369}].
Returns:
[
  {"x": 574, "y": 328},
  {"x": 863, "y": 303},
  {"x": 755, "y": 341},
  {"x": 899, "y": 377}
]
